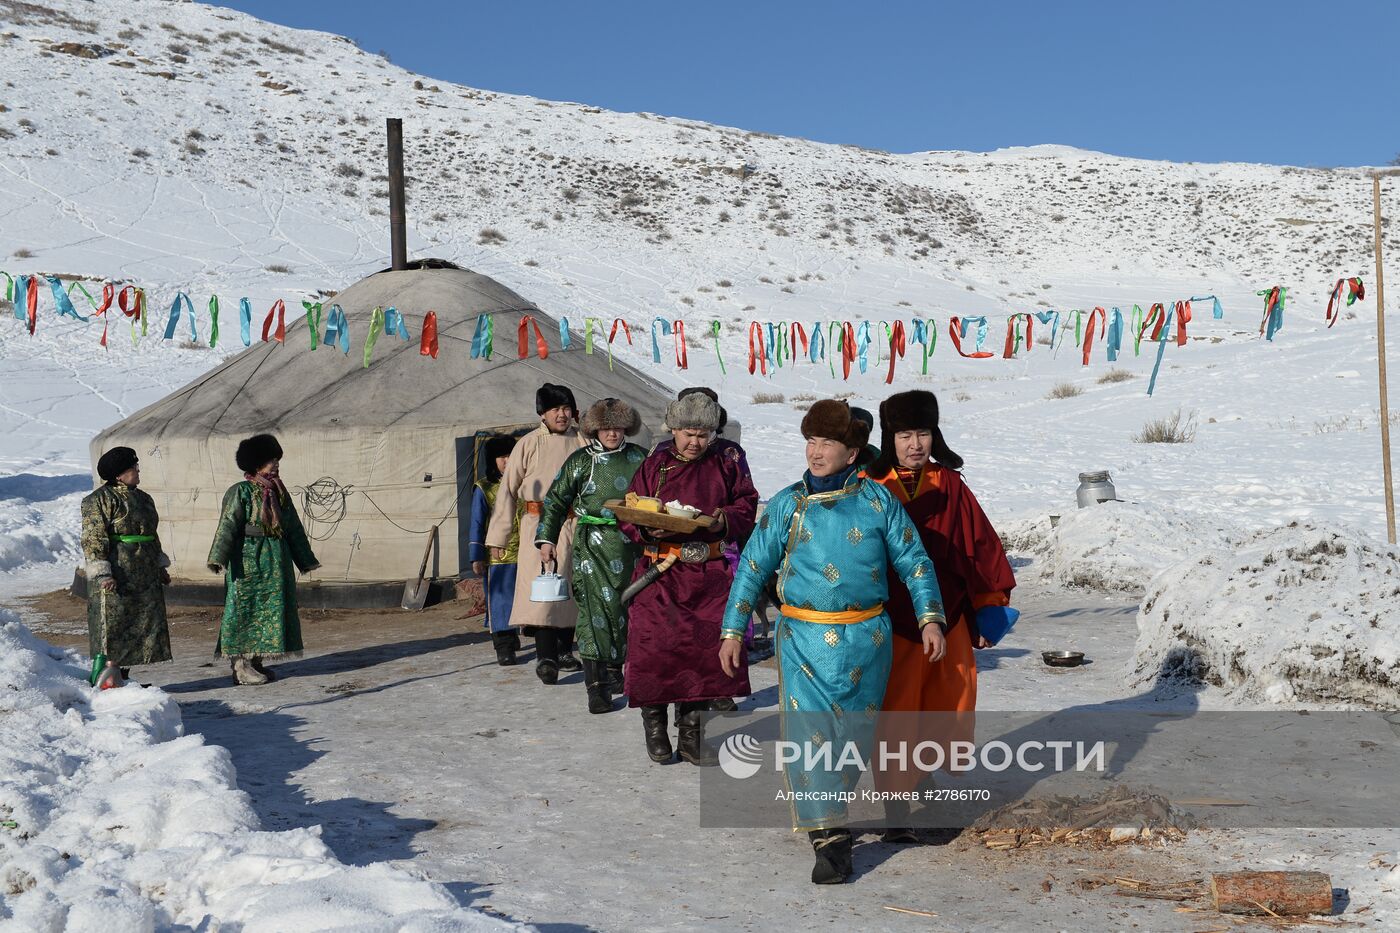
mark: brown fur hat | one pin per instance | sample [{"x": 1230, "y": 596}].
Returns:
[
  {"x": 831, "y": 418},
  {"x": 610, "y": 413}
]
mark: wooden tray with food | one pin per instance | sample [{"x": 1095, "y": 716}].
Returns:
[{"x": 648, "y": 512}]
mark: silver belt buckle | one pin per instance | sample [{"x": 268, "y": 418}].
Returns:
[{"x": 695, "y": 552}]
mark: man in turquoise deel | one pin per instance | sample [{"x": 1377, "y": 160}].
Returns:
[{"x": 830, "y": 538}]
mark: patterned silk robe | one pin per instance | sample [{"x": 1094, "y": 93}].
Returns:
[
  {"x": 128, "y": 624},
  {"x": 500, "y": 574},
  {"x": 831, "y": 552},
  {"x": 260, "y": 581},
  {"x": 603, "y": 556}
]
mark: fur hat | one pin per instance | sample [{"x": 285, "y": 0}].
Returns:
[
  {"x": 610, "y": 413},
  {"x": 696, "y": 411},
  {"x": 115, "y": 462},
  {"x": 832, "y": 419},
  {"x": 497, "y": 445},
  {"x": 550, "y": 396},
  {"x": 256, "y": 452},
  {"x": 711, "y": 393},
  {"x": 915, "y": 410}
]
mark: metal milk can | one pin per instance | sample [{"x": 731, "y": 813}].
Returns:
[{"x": 1095, "y": 488}]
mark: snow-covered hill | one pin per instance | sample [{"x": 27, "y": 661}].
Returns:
[{"x": 190, "y": 147}]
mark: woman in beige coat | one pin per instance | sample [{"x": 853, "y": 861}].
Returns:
[{"x": 533, "y": 464}]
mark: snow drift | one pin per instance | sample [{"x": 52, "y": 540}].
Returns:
[
  {"x": 1294, "y": 614},
  {"x": 114, "y": 819}
]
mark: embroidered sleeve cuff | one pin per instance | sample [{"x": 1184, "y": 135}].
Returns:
[
  {"x": 731, "y": 636},
  {"x": 933, "y": 618}
]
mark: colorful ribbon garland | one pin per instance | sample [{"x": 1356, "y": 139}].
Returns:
[
  {"x": 1272, "y": 322},
  {"x": 957, "y": 331},
  {"x": 1356, "y": 291}
]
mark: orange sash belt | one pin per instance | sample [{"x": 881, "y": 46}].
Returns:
[
  {"x": 657, "y": 552},
  {"x": 533, "y": 507},
  {"x": 832, "y": 618}
]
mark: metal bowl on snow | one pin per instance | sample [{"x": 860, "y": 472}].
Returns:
[{"x": 1063, "y": 658}]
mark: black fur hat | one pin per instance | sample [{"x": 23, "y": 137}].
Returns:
[
  {"x": 915, "y": 410},
  {"x": 115, "y": 462},
  {"x": 256, "y": 452},
  {"x": 498, "y": 445},
  {"x": 550, "y": 396}
]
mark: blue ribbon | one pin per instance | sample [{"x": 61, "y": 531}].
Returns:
[
  {"x": 564, "y": 338},
  {"x": 481, "y": 337},
  {"x": 245, "y": 321},
  {"x": 1115, "y": 335},
  {"x": 816, "y": 346},
  {"x": 863, "y": 343},
  {"x": 1275, "y": 321},
  {"x": 22, "y": 299},
  {"x": 394, "y": 323},
  {"x": 337, "y": 329},
  {"x": 1053, "y": 319},
  {"x": 1162, "y": 344},
  {"x": 655, "y": 346},
  {"x": 182, "y": 302},
  {"x": 981, "y": 331},
  {"x": 61, "y": 299},
  {"x": 1217, "y": 312}
]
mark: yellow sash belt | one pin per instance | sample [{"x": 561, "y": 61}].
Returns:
[{"x": 832, "y": 618}]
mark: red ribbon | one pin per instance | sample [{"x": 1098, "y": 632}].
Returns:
[
  {"x": 626, "y": 331},
  {"x": 109, "y": 293},
  {"x": 1013, "y": 336},
  {"x": 682, "y": 359},
  {"x": 135, "y": 309},
  {"x": 897, "y": 345},
  {"x": 1183, "y": 317},
  {"x": 1102, "y": 315},
  {"x": 797, "y": 332},
  {"x": 279, "y": 310},
  {"x": 954, "y": 332},
  {"x": 1356, "y": 291},
  {"x": 757, "y": 359},
  {"x": 848, "y": 348},
  {"x": 541, "y": 347},
  {"x": 1156, "y": 319},
  {"x": 429, "y": 346},
  {"x": 31, "y": 302}
]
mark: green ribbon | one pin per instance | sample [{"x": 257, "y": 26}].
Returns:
[
  {"x": 376, "y": 327},
  {"x": 133, "y": 539},
  {"x": 596, "y": 520},
  {"x": 715, "y": 328},
  {"x": 313, "y": 320},
  {"x": 214, "y": 319}
]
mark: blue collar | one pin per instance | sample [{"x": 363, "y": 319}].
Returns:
[{"x": 820, "y": 484}]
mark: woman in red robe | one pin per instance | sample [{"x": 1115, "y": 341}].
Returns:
[
  {"x": 673, "y": 624},
  {"x": 917, "y": 466}
]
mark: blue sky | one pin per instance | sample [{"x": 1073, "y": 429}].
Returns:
[{"x": 1290, "y": 82}]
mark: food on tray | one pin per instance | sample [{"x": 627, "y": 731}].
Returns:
[
  {"x": 642, "y": 503},
  {"x": 681, "y": 510}
]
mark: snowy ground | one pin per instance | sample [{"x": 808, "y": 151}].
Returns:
[{"x": 401, "y": 737}]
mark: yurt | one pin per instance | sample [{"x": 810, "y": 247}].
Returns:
[{"x": 377, "y": 455}]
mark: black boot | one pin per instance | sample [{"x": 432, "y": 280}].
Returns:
[
  {"x": 690, "y": 731},
  {"x": 897, "y": 831},
  {"x": 615, "y": 680},
  {"x": 595, "y": 680},
  {"x": 505, "y": 648},
  {"x": 658, "y": 739},
  {"x": 833, "y": 850},
  {"x": 258, "y": 666},
  {"x": 724, "y": 705},
  {"x": 514, "y": 638},
  {"x": 546, "y": 656},
  {"x": 567, "y": 661}
]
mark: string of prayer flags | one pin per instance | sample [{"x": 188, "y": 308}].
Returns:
[
  {"x": 429, "y": 345},
  {"x": 1355, "y": 291},
  {"x": 1272, "y": 321}
]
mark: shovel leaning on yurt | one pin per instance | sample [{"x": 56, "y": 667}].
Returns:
[{"x": 415, "y": 593}]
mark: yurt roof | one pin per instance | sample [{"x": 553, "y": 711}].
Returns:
[{"x": 272, "y": 386}]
